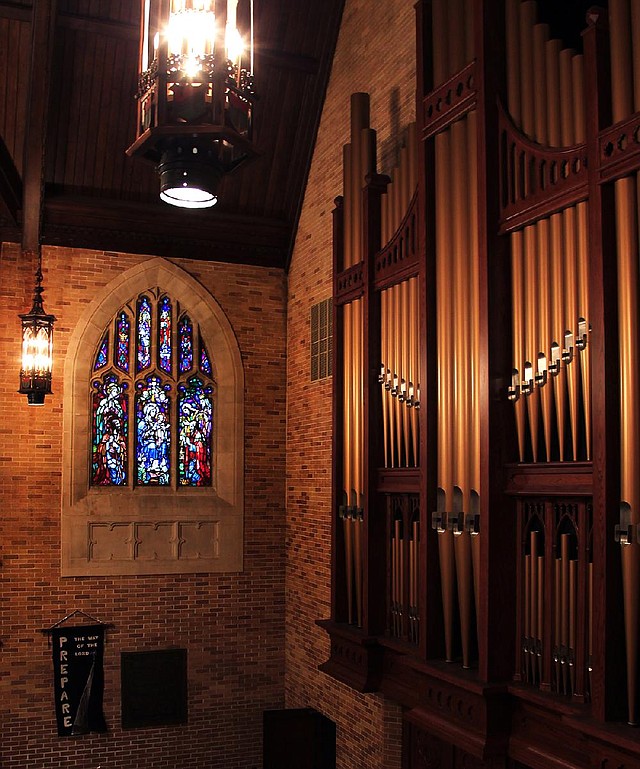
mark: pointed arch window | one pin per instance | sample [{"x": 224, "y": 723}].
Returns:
[
  {"x": 164, "y": 437},
  {"x": 153, "y": 438}
]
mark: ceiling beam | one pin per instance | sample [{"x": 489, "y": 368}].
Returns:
[
  {"x": 15, "y": 11},
  {"x": 121, "y": 29},
  {"x": 10, "y": 188},
  {"x": 308, "y": 65},
  {"x": 104, "y": 224},
  {"x": 42, "y": 38}
]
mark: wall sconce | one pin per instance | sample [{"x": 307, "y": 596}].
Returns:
[{"x": 37, "y": 347}]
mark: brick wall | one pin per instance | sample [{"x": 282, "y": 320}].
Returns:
[
  {"x": 231, "y": 624},
  {"x": 376, "y": 54}
]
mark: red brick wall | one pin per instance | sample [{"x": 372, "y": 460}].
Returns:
[
  {"x": 231, "y": 624},
  {"x": 376, "y": 54}
]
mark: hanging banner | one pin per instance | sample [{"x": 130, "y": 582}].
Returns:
[{"x": 78, "y": 654}]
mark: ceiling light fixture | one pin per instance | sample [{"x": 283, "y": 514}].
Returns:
[{"x": 195, "y": 95}]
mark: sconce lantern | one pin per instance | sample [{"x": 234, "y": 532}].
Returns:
[
  {"x": 37, "y": 348},
  {"x": 195, "y": 95}
]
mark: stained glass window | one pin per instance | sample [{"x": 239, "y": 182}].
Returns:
[
  {"x": 103, "y": 353},
  {"x": 164, "y": 329},
  {"x": 205, "y": 362},
  {"x": 143, "y": 333},
  {"x": 195, "y": 419},
  {"x": 185, "y": 352},
  {"x": 172, "y": 405},
  {"x": 123, "y": 335},
  {"x": 109, "y": 434}
]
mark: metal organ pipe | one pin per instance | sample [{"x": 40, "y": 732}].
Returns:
[
  {"x": 400, "y": 347},
  {"x": 359, "y": 160},
  {"x": 622, "y": 92},
  {"x": 528, "y": 11},
  {"x": 444, "y": 324},
  {"x": 474, "y": 373},
  {"x": 457, "y": 341},
  {"x": 549, "y": 260},
  {"x": 549, "y": 264},
  {"x": 540, "y": 39},
  {"x": 517, "y": 252},
  {"x": 582, "y": 213},
  {"x": 571, "y": 254},
  {"x": 555, "y": 234},
  {"x": 460, "y": 405}
]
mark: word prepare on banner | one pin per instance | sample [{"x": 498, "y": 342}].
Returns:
[{"x": 78, "y": 653}]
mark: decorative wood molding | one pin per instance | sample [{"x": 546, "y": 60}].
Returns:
[
  {"x": 393, "y": 480},
  {"x": 355, "y": 659},
  {"x": 545, "y": 737},
  {"x": 560, "y": 479},
  {"x": 451, "y": 704},
  {"x": 536, "y": 181},
  {"x": 349, "y": 284},
  {"x": 619, "y": 149},
  {"x": 449, "y": 101},
  {"x": 399, "y": 258}
]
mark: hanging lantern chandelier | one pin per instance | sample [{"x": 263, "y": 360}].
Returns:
[
  {"x": 195, "y": 95},
  {"x": 37, "y": 347}
]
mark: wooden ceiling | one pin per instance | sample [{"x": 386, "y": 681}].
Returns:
[{"x": 68, "y": 72}]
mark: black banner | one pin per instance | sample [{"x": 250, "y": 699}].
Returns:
[{"x": 78, "y": 654}]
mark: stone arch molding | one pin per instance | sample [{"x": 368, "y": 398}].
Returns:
[{"x": 135, "y": 530}]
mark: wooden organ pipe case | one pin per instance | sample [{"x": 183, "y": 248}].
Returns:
[{"x": 486, "y": 502}]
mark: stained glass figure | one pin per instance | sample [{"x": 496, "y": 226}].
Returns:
[
  {"x": 123, "y": 344},
  {"x": 144, "y": 333},
  {"x": 153, "y": 432},
  {"x": 109, "y": 434},
  {"x": 195, "y": 411},
  {"x": 185, "y": 335},
  {"x": 103, "y": 353},
  {"x": 164, "y": 330},
  {"x": 205, "y": 361}
]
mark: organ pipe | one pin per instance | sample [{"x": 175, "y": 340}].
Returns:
[
  {"x": 444, "y": 324},
  {"x": 571, "y": 254},
  {"x": 457, "y": 341},
  {"x": 527, "y": 86},
  {"x": 626, "y": 200},
  {"x": 555, "y": 234},
  {"x": 549, "y": 274},
  {"x": 582, "y": 213},
  {"x": 517, "y": 246},
  {"x": 359, "y": 160}
]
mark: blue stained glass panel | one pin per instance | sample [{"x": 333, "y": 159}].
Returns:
[
  {"x": 164, "y": 327},
  {"x": 109, "y": 434},
  {"x": 195, "y": 412},
  {"x": 205, "y": 361},
  {"x": 144, "y": 333},
  {"x": 103, "y": 353},
  {"x": 153, "y": 433},
  {"x": 185, "y": 334},
  {"x": 123, "y": 343}
]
